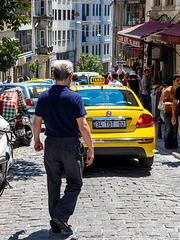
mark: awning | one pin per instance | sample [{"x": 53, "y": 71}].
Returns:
[
  {"x": 134, "y": 35},
  {"x": 172, "y": 35}
]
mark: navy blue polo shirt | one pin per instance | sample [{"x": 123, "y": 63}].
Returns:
[
  {"x": 60, "y": 107},
  {"x": 177, "y": 96}
]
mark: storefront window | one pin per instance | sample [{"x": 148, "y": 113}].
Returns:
[{"x": 134, "y": 14}]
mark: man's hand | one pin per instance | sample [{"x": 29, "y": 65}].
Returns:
[
  {"x": 173, "y": 120},
  {"x": 38, "y": 146},
  {"x": 90, "y": 157}
]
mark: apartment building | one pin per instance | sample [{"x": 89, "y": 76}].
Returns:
[{"x": 82, "y": 26}]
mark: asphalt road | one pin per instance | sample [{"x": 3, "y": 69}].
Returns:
[{"x": 119, "y": 200}]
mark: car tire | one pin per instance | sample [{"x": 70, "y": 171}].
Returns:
[
  {"x": 146, "y": 162},
  {"x": 26, "y": 142}
]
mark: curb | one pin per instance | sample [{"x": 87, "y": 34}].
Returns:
[{"x": 175, "y": 154}]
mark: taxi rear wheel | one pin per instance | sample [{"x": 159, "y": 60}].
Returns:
[{"x": 146, "y": 162}]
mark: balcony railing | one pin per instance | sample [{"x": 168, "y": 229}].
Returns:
[{"x": 25, "y": 48}]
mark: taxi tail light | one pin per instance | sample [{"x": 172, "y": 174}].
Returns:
[
  {"x": 145, "y": 120},
  {"x": 29, "y": 102}
]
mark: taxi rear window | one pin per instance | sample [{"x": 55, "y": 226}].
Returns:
[
  {"x": 106, "y": 97},
  {"x": 35, "y": 91}
]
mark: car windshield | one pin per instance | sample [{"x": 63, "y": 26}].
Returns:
[
  {"x": 83, "y": 80},
  {"x": 108, "y": 97},
  {"x": 35, "y": 91}
]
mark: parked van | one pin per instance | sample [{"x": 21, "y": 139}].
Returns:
[{"x": 84, "y": 77}]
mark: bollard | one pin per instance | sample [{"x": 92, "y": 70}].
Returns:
[{"x": 159, "y": 133}]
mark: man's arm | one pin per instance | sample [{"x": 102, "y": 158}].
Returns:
[
  {"x": 38, "y": 145},
  {"x": 86, "y": 134},
  {"x": 174, "y": 109}
]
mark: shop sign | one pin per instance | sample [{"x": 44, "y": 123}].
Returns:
[
  {"x": 171, "y": 39},
  {"x": 28, "y": 59},
  {"x": 129, "y": 40}
]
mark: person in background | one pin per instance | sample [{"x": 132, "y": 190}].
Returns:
[
  {"x": 107, "y": 78},
  {"x": 145, "y": 93},
  {"x": 63, "y": 113},
  {"x": 176, "y": 105},
  {"x": 74, "y": 80},
  {"x": 0, "y": 81},
  {"x": 133, "y": 83},
  {"x": 9, "y": 78},
  {"x": 126, "y": 78},
  {"x": 170, "y": 132},
  {"x": 121, "y": 78},
  {"x": 136, "y": 65},
  {"x": 21, "y": 79},
  {"x": 114, "y": 80}
]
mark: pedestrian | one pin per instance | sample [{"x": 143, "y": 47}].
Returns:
[
  {"x": 21, "y": 79},
  {"x": 145, "y": 93},
  {"x": 74, "y": 80},
  {"x": 136, "y": 65},
  {"x": 114, "y": 80},
  {"x": 126, "y": 78},
  {"x": 9, "y": 78},
  {"x": 121, "y": 79},
  {"x": 176, "y": 105},
  {"x": 133, "y": 83},
  {"x": 0, "y": 81},
  {"x": 63, "y": 113},
  {"x": 107, "y": 78},
  {"x": 170, "y": 133}
]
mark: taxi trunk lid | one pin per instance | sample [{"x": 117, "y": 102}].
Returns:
[{"x": 114, "y": 119}]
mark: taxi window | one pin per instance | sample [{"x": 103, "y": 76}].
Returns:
[
  {"x": 35, "y": 91},
  {"x": 82, "y": 80},
  {"x": 9, "y": 87},
  {"x": 106, "y": 97}
]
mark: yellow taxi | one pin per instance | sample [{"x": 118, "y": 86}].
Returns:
[{"x": 119, "y": 124}]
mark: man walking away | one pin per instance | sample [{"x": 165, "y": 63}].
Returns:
[
  {"x": 114, "y": 80},
  {"x": 63, "y": 113}
]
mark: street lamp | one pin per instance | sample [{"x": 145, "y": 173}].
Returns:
[{"x": 76, "y": 43}]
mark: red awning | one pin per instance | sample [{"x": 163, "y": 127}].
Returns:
[
  {"x": 172, "y": 35},
  {"x": 134, "y": 35}
]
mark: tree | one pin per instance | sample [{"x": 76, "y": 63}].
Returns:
[
  {"x": 8, "y": 53},
  {"x": 32, "y": 68},
  {"x": 13, "y": 13},
  {"x": 89, "y": 63}
]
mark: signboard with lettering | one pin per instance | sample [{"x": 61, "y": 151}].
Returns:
[
  {"x": 129, "y": 40},
  {"x": 97, "y": 80}
]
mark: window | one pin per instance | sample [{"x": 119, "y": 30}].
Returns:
[
  {"x": 108, "y": 48},
  {"x": 55, "y": 16},
  {"x": 73, "y": 17},
  {"x": 72, "y": 34},
  {"x": 59, "y": 35},
  {"x": 108, "y": 10},
  {"x": 157, "y": 2},
  {"x": 55, "y": 37},
  {"x": 99, "y": 29},
  {"x": 87, "y": 30},
  {"x": 96, "y": 9},
  {"x": 105, "y": 30},
  {"x": 64, "y": 14},
  {"x": 42, "y": 7},
  {"x": 87, "y": 49},
  {"x": 93, "y": 9},
  {"x": 99, "y": 10},
  {"x": 104, "y": 49},
  {"x": 96, "y": 50},
  {"x": 87, "y": 9},
  {"x": 68, "y": 34},
  {"x": 96, "y": 30},
  {"x": 68, "y": 15},
  {"x": 59, "y": 14},
  {"x": 99, "y": 49},
  {"x": 108, "y": 27},
  {"x": 83, "y": 49},
  {"x": 93, "y": 32},
  {"x": 105, "y": 10},
  {"x": 49, "y": 37},
  {"x": 169, "y": 2},
  {"x": 92, "y": 50},
  {"x": 64, "y": 35},
  {"x": 42, "y": 38}
]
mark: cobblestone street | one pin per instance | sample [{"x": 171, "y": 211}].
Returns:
[{"x": 118, "y": 200}]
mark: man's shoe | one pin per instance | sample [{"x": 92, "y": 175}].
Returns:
[
  {"x": 166, "y": 146},
  {"x": 55, "y": 235},
  {"x": 62, "y": 225},
  {"x": 55, "y": 228}
]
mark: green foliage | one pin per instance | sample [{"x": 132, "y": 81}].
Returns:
[
  {"x": 32, "y": 68},
  {"x": 14, "y": 13},
  {"x": 89, "y": 63},
  {"x": 8, "y": 53}
]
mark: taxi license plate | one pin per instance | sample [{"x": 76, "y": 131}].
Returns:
[{"x": 109, "y": 124}]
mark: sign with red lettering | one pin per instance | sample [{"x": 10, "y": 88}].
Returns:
[{"x": 129, "y": 40}]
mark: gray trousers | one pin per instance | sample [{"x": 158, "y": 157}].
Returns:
[{"x": 63, "y": 155}]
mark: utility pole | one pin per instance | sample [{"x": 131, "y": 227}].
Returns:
[{"x": 117, "y": 26}]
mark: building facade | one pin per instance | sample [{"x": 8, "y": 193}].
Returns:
[{"x": 82, "y": 27}]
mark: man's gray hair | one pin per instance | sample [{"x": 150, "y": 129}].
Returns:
[{"x": 62, "y": 69}]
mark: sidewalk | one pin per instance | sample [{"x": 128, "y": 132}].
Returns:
[{"x": 160, "y": 142}]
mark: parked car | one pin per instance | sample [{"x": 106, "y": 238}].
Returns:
[
  {"x": 45, "y": 80},
  {"x": 119, "y": 124},
  {"x": 31, "y": 91},
  {"x": 84, "y": 77}
]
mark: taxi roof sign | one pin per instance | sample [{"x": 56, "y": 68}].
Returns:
[{"x": 97, "y": 80}]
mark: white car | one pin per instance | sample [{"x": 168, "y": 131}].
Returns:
[{"x": 84, "y": 77}]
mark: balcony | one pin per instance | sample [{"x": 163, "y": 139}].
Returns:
[
  {"x": 39, "y": 50},
  {"x": 25, "y": 48}
]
